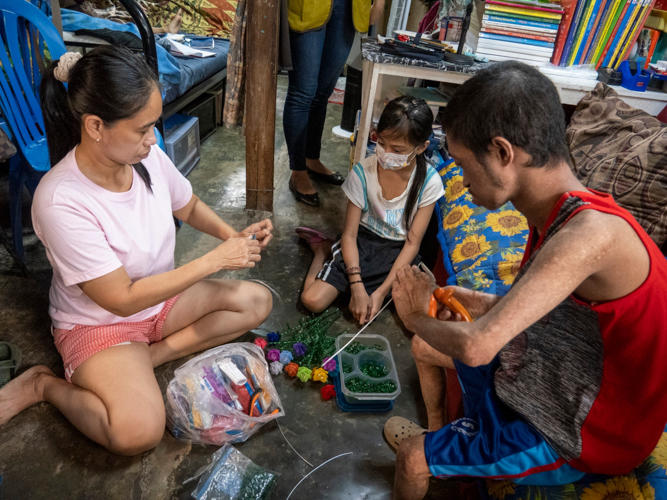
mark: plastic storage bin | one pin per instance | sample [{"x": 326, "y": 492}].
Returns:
[
  {"x": 379, "y": 351},
  {"x": 182, "y": 142}
]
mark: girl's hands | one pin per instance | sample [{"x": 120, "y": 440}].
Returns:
[
  {"x": 377, "y": 298},
  {"x": 261, "y": 230},
  {"x": 235, "y": 253},
  {"x": 360, "y": 304}
]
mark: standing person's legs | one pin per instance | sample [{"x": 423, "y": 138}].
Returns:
[
  {"x": 306, "y": 56},
  {"x": 337, "y": 44}
]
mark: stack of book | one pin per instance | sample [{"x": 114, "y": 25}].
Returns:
[
  {"x": 519, "y": 29},
  {"x": 599, "y": 32}
]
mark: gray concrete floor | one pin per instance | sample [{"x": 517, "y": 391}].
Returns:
[{"x": 43, "y": 456}]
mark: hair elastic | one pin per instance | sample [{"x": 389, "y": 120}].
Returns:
[{"x": 65, "y": 65}]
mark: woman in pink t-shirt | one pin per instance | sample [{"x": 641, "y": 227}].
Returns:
[{"x": 105, "y": 215}]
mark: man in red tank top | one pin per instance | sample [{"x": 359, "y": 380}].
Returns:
[{"x": 565, "y": 375}]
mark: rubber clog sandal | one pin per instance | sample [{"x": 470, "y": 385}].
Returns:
[
  {"x": 311, "y": 236},
  {"x": 10, "y": 361},
  {"x": 398, "y": 428}
]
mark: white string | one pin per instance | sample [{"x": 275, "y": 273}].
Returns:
[
  {"x": 304, "y": 477},
  {"x": 333, "y": 356},
  {"x": 290, "y": 445}
]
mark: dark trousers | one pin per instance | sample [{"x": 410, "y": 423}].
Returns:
[{"x": 318, "y": 57}]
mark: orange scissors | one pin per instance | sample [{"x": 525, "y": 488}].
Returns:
[{"x": 446, "y": 296}]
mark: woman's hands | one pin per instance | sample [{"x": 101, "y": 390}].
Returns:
[
  {"x": 235, "y": 253},
  {"x": 261, "y": 230}
]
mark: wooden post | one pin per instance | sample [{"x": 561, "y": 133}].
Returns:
[{"x": 261, "y": 78}]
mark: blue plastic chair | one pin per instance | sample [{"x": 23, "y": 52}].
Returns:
[{"x": 20, "y": 24}]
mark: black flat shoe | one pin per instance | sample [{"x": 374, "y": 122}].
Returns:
[
  {"x": 312, "y": 200},
  {"x": 336, "y": 179}
]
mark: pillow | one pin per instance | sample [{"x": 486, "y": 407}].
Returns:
[
  {"x": 482, "y": 248},
  {"x": 622, "y": 151}
]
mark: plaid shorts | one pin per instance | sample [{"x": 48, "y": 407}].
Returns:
[{"x": 83, "y": 341}]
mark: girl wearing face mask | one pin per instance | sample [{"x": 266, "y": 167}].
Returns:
[{"x": 391, "y": 196}]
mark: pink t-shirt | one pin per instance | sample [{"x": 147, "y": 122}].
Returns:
[{"x": 89, "y": 232}]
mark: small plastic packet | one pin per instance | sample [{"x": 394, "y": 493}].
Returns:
[
  {"x": 233, "y": 476},
  {"x": 224, "y": 395}
]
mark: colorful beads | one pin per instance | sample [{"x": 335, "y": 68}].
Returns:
[
  {"x": 292, "y": 369},
  {"x": 299, "y": 349},
  {"x": 320, "y": 375},
  {"x": 273, "y": 337},
  {"x": 328, "y": 392},
  {"x": 304, "y": 374},
  {"x": 260, "y": 342},
  {"x": 286, "y": 357},
  {"x": 329, "y": 364},
  {"x": 276, "y": 367}
]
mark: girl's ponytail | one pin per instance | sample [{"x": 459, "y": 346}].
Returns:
[
  {"x": 415, "y": 190},
  {"x": 62, "y": 128},
  {"x": 411, "y": 118}
]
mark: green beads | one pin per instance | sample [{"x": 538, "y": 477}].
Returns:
[
  {"x": 359, "y": 386},
  {"x": 347, "y": 368},
  {"x": 356, "y": 347},
  {"x": 375, "y": 370},
  {"x": 314, "y": 334}
]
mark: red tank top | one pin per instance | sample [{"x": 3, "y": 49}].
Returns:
[
  {"x": 634, "y": 373},
  {"x": 608, "y": 415}
]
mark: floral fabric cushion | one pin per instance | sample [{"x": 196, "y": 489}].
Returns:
[
  {"x": 622, "y": 151},
  {"x": 482, "y": 248},
  {"x": 646, "y": 482}
]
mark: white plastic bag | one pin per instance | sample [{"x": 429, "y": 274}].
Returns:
[{"x": 210, "y": 397}]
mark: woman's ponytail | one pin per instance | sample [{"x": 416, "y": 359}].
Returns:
[
  {"x": 62, "y": 128},
  {"x": 109, "y": 82}
]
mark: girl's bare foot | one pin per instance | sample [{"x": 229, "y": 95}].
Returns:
[{"x": 22, "y": 392}]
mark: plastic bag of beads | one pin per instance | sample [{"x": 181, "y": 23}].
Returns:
[
  {"x": 233, "y": 476},
  {"x": 277, "y": 317},
  {"x": 224, "y": 395}
]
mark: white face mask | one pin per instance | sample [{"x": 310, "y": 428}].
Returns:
[{"x": 392, "y": 161}]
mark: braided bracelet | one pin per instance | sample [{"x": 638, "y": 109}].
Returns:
[
  {"x": 355, "y": 282},
  {"x": 353, "y": 270}
]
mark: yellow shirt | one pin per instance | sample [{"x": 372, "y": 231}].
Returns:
[{"x": 308, "y": 15}]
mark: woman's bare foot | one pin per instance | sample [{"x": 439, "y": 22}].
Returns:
[
  {"x": 302, "y": 183},
  {"x": 318, "y": 166},
  {"x": 22, "y": 392}
]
